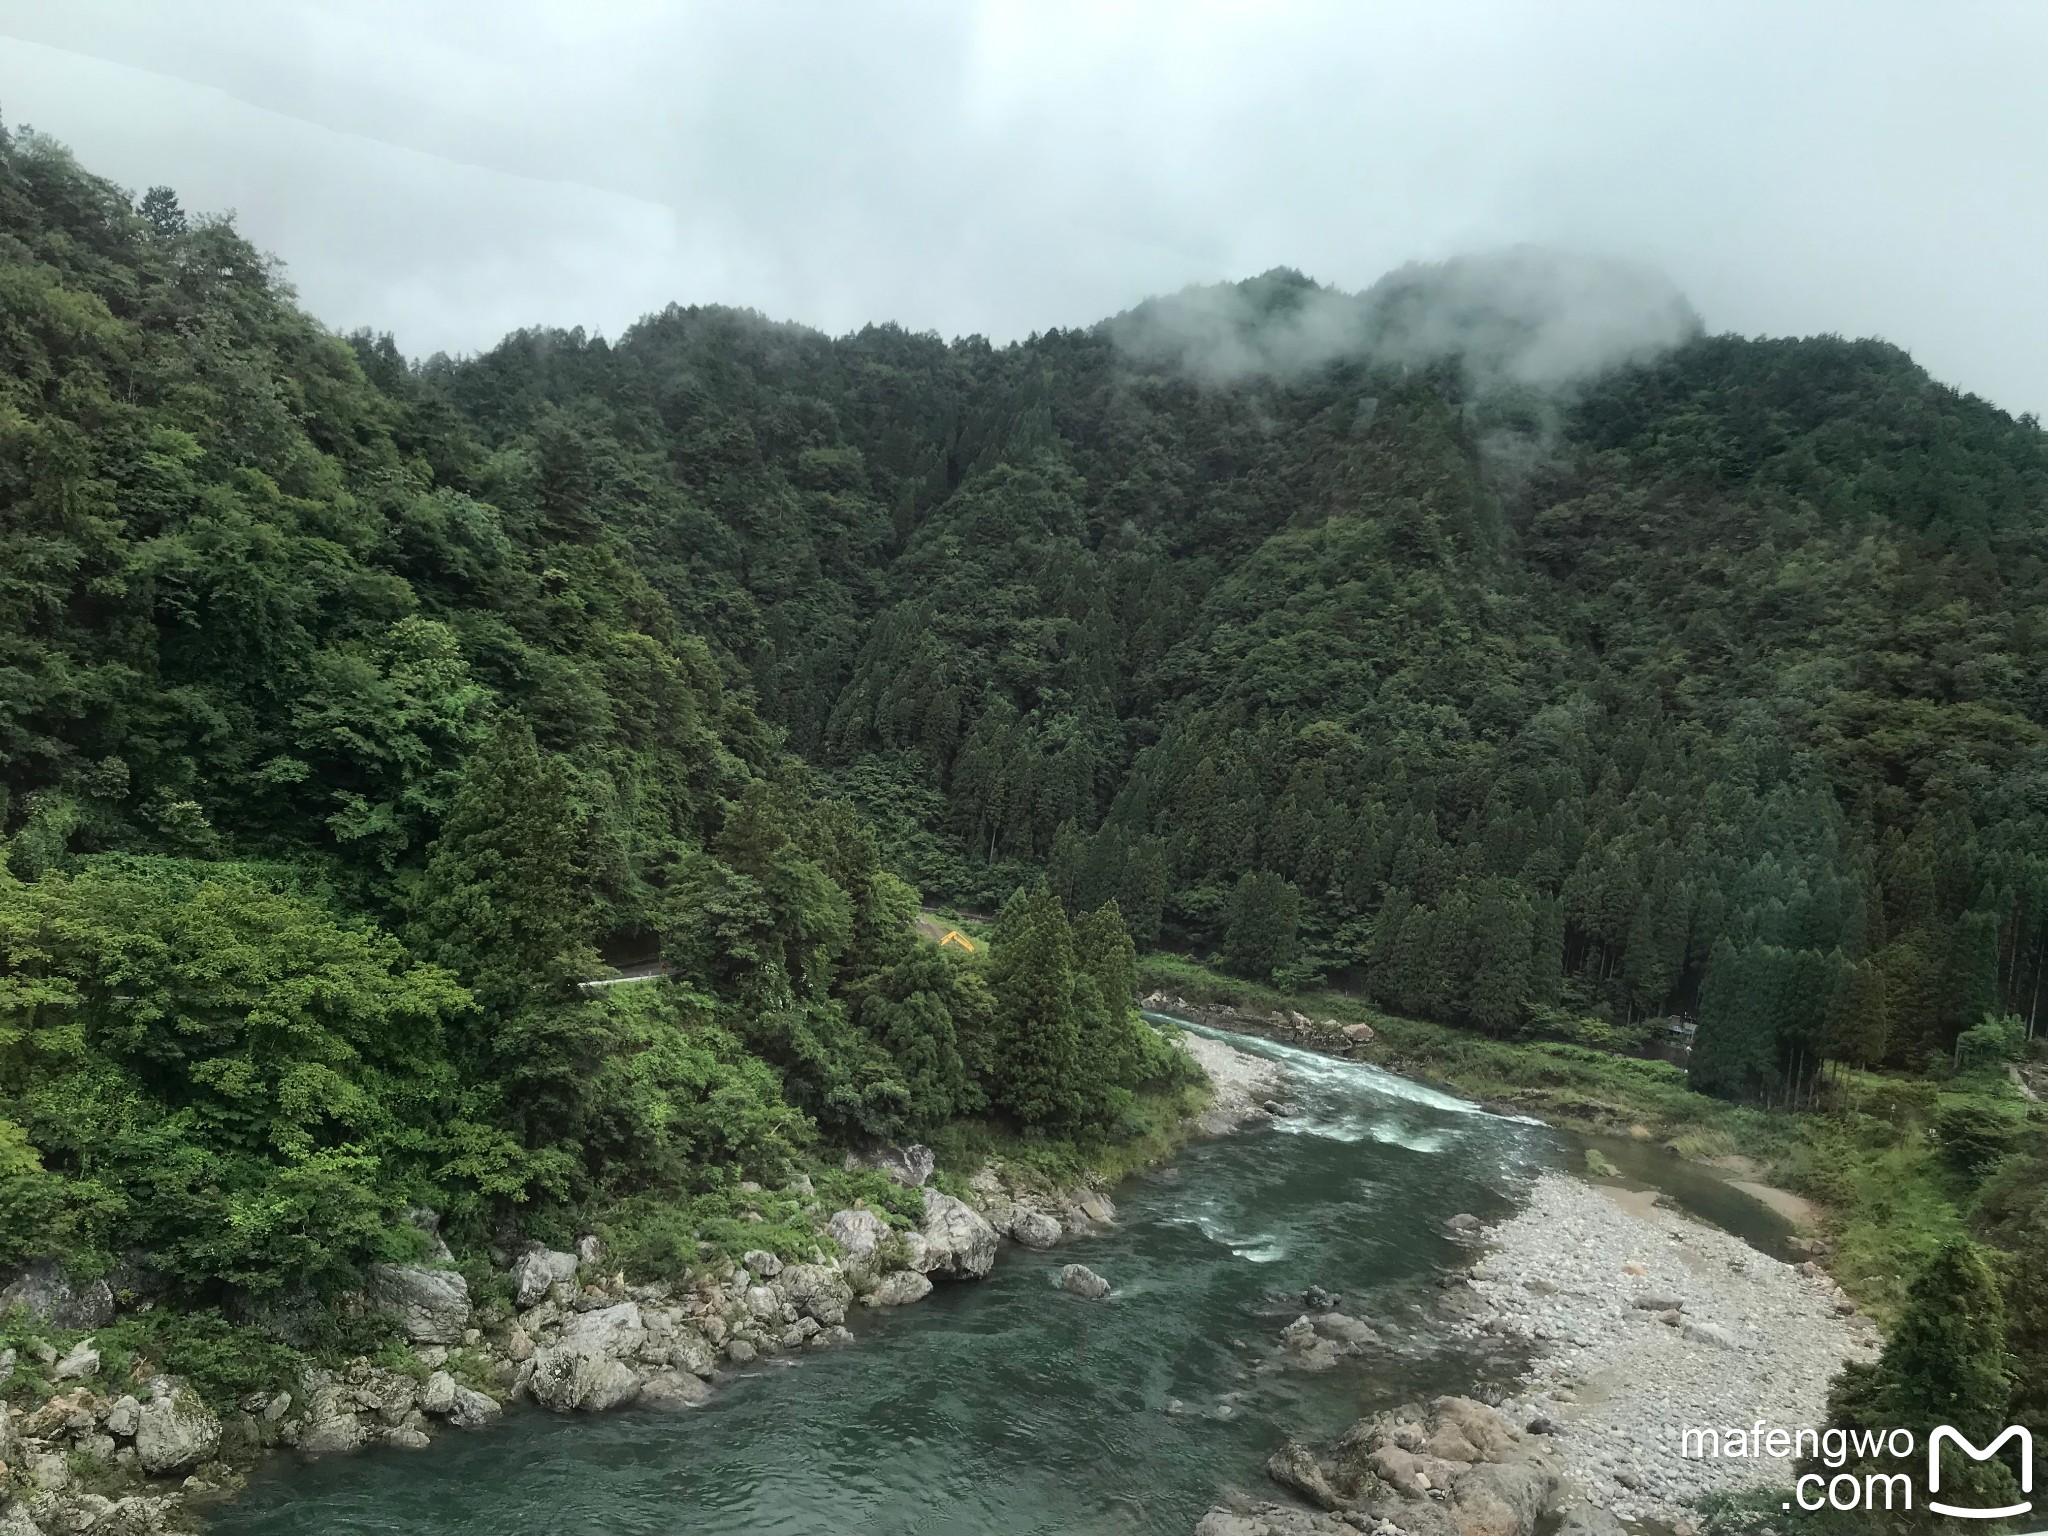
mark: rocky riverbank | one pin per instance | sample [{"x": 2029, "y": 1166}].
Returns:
[
  {"x": 1647, "y": 1323},
  {"x": 1643, "y": 1323},
  {"x": 140, "y": 1454}
]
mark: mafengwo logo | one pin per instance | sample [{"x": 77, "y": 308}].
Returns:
[{"x": 1944, "y": 1433}]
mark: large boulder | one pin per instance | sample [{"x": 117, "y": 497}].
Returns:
[
  {"x": 899, "y": 1288},
  {"x": 674, "y": 1390},
  {"x": 816, "y": 1291},
  {"x": 958, "y": 1242},
  {"x": 619, "y": 1331},
  {"x": 537, "y": 1271},
  {"x": 858, "y": 1233},
  {"x": 1034, "y": 1229},
  {"x": 688, "y": 1351},
  {"x": 572, "y": 1380},
  {"x": 1294, "y": 1466},
  {"x": 332, "y": 1427},
  {"x": 437, "y": 1394},
  {"x": 50, "y": 1296},
  {"x": 909, "y": 1166},
  {"x": 175, "y": 1430},
  {"x": 432, "y": 1304},
  {"x": 473, "y": 1410}
]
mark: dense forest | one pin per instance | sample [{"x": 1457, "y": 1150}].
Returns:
[{"x": 354, "y": 710}]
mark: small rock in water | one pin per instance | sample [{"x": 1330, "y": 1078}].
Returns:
[
  {"x": 1316, "y": 1299},
  {"x": 1462, "y": 1223},
  {"x": 1080, "y": 1280}
]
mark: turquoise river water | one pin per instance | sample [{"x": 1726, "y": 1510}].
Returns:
[{"x": 1007, "y": 1406}]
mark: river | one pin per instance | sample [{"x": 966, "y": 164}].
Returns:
[{"x": 1005, "y": 1405}]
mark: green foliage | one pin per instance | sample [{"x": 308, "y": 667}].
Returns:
[
  {"x": 225, "y": 1075},
  {"x": 1945, "y": 1363},
  {"x": 1264, "y": 914},
  {"x": 1038, "y": 1063},
  {"x": 1975, "y": 1133},
  {"x": 1714, "y": 688}
]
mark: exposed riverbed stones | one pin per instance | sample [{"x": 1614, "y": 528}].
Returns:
[
  {"x": 1647, "y": 1322},
  {"x": 1457, "y": 1468}
]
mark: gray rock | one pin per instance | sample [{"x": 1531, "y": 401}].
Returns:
[
  {"x": 1657, "y": 1301},
  {"x": 1080, "y": 1280},
  {"x": 175, "y": 1431},
  {"x": 1463, "y": 1222},
  {"x": 7, "y": 1359},
  {"x": 958, "y": 1241},
  {"x": 1035, "y": 1229},
  {"x": 858, "y": 1233},
  {"x": 122, "y": 1418},
  {"x": 473, "y": 1410},
  {"x": 81, "y": 1360},
  {"x": 899, "y": 1288},
  {"x": 1711, "y": 1333},
  {"x": 763, "y": 1303},
  {"x": 536, "y": 1271},
  {"x": 909, "y": 1166},
  {"x": 689, "y": 1352},
  {"x": 437, "y": 1396},
  {"x": 740, "y": 1352},
  {"x": 1341, "y": 1328},
  {"x": 589, "y": 1250},
  {"x": 432, "y": 1304},
  {"x": 762, "y": 1263},
  {"x": 1294, "y": 1467},
  {"x": 674, "y": 1390},
  {"x": 816, "y": 1291},
  {"x": 571, "y": 1380},
  {"x": 618, "y": 1332},
  {"x": 50, "y": 1296}
]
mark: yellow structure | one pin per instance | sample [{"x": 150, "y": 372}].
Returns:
[{"x": 955, "y": 937}]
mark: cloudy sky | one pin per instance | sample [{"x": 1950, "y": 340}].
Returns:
[{"x": 453, "y": 169}]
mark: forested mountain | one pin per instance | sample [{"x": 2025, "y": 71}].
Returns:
[
  {"x": 341, "y": 734},
  {"x": 1528, "y": 659},
  {"x": 1494, "y": 640}
]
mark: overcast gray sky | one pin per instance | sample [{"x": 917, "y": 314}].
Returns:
[{"x": 452, "y": 169}]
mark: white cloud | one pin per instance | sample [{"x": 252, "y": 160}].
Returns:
[{"x": 450, "y": 171}]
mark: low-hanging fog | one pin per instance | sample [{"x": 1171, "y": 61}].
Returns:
[{"x": 451, "y": 172}]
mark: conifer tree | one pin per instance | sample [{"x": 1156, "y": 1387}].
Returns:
[
  {"x": 503, "y": 902},
  {"x": 1945, "y": 1363},
  {"x": 1039, "y": 1071},
  {"x": 1264, "y": 914},
  {"x": 1103, "y": 952}
]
